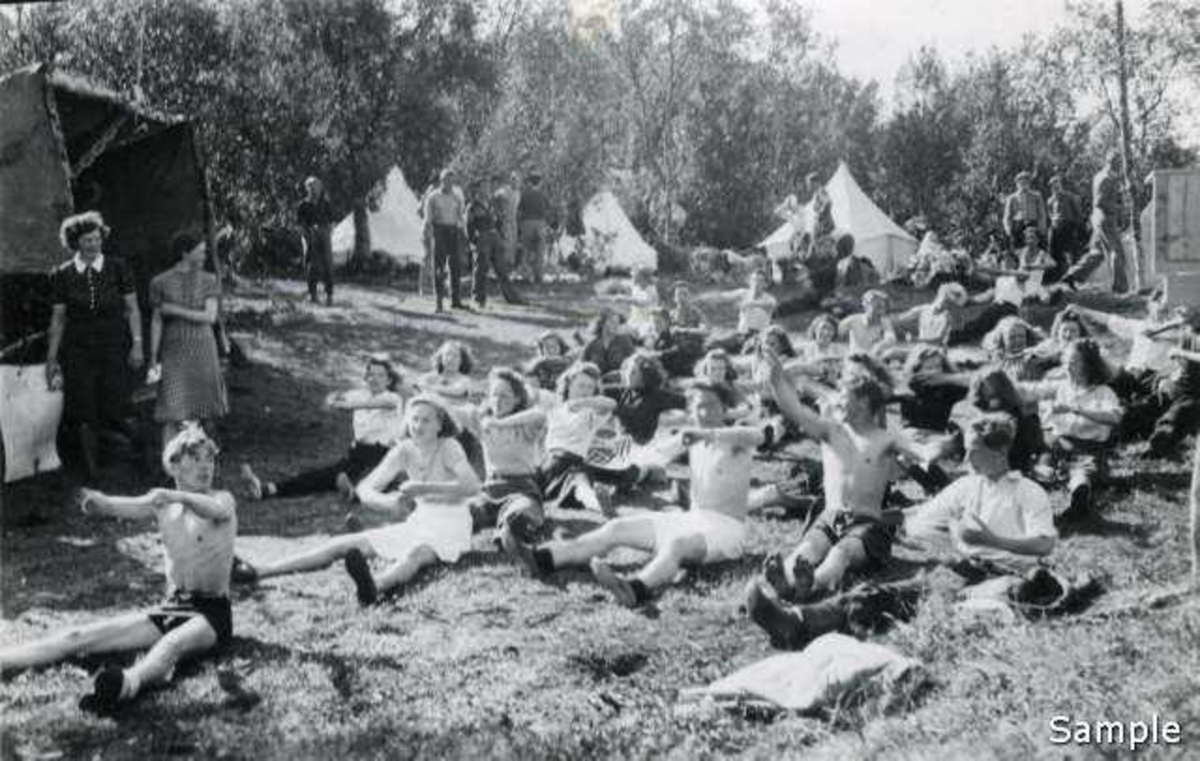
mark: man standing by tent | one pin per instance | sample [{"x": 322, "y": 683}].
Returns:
[
  {"x": 1024, "y": 208},
  {"x": 316, "y": 225},
  {"x": 444, "y": 222},
  {"x": 533, "y": 216}
]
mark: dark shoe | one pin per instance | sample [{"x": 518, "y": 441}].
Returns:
[
  {"x": 461, "y": 306},
  {"x": 783, "y": 626},
  {"x": 354, "y": 524},
  {"x": 619, "y": 588},
  {"x": 1080, "y": 507},
  {"x": 106, "y": 693},
  {"x": 1162, "y": 445},
  {"x": 242, "y": 572},
  {"x": 360, "y": 572}
]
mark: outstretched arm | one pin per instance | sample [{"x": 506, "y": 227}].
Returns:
[
  {"x": 734, "y": 437},
  {"x": 597, "y": 403},
  {"x": 974, "y": 531},
  {"x": 217, "y": 506},
  {"x": 94, "y": 502},
  {"x": 531, "y": 416},
  {"x": 776, "y": 385}
]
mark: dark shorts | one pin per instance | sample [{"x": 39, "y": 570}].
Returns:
[
  {"x": 182, "y": 607},
  {"x": 505, "y": 497},
  {"x": 876, "y": 538}
]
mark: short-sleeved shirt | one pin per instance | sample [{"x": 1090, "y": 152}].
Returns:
[
  {"x": 444, "y": 208},
  {"x": 1012, "y": 506},
  {"x": 513, "y": 450},
  {"x": 1092, "y": 398},
  {"x": 94, "y": 296},
  {"x": 377, "y": 425},
  {"x": 186, "y": 289},
  {"x": 571, "y": 430},
  {"x": 442, "y": 465},
  {"x": 754, "y": 314}
]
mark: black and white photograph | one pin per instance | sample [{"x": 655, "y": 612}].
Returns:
[{"x": 599, "y": 379}]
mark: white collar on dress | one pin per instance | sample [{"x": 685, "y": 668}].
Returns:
[{"x": 97, "y": 264}]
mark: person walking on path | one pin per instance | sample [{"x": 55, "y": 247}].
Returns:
[{"x": 316, "y": 224}]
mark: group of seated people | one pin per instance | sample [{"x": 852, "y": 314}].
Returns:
[{"x": 440, "y": 456}]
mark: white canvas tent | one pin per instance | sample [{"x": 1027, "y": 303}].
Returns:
[
  {"x": 609, "y": 231},
  {"x": 395, "y": 227},
  {"x": 889, "y": 247}
]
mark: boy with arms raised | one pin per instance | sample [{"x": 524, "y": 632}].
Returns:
[
  {"x": 198, "y": 526},
  {"x": 712, "y": 530}
]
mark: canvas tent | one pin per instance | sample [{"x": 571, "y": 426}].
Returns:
[
  {"x": 394, "y": 223},
  {"x": 68, "y": 145},
  {"x": 612, "y": 237},
  {"x": 876, "y": 237}
]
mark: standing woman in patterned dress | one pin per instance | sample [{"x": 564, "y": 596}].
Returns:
[{"x": 184, "y": 299}]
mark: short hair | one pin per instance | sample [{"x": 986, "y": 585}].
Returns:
[
  {"x": 78, "y": 225},
  {"x": 919, "y": 354},
  {"x": 997, "y": 430},
  {"x": 447, "y": 172},
  {"x": 823, "y": 318},
  {"x": 869, "y": 389},
  {"x": 534, "y": 178},
  {"x": 701, "y": 369},
  {"x": 516, "y": 383},
  {"x": 590, "y": 369},
  {"x": 392, "y": 373},
  {"x": 696, "y": 387},
  {"x": 183, "y": 242},
  {"x": 653, "y": 374},
  {"x": 556, "y": 338},
  {"x": 190, "y": 439},
  {"x": 1095, "y": 369},
  {"x": 466, "y": 359},
  {"x": 448, "y": 427},
  {"x": 874, "y": 294},
  {"x": 1024, "y": 175}
]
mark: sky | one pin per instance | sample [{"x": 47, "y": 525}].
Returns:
[{"x": 875, "y": 37}]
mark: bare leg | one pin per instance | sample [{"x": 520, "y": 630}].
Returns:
[
  {"x": 667, "y": 561},
  {"x": 845, "y": 555},
  {"x": 193, "y": 638},
  {"x": 406, "y": 569},
  {"x": 321, "y": 557},
  {"x": 621, "y": 532},
  {"x": 133, "y": 631}
]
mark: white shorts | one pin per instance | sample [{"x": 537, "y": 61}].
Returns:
[
  {"x": 445, "y": 528},
  {"x": 724, "y": 536}
]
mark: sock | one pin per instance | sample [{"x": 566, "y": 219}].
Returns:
[
  {"x": 544, "y": 559},
  {"x": 130, "y": 684},
  {"x": 640, "y": 590}
]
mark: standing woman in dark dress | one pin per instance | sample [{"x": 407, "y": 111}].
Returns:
[
  {"x": 182, "y": 339},
  {"x": 95, "y": 333}
]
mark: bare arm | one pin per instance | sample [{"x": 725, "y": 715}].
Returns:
[
  {"x": 370, "y": 490},
  {"x": 136, "y": 355},
  {"x": 1190, "y": 356},
  {"x": 776, "y": 384},
  {"x": 217, "y": 506},
  {"x": 598, "y": 403},
  {"x": 156, "y": 329},
  {"x": 736, "y": 436},
  {"x": 974, "y": 531},
  {"x": 464, "y": 485},
  {"x": 94, "y": 502},
  {"x": 531, "y": 416},
  {"x": 58, "y": 323}
]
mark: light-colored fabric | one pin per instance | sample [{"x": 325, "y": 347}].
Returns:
[
  {"x": 863, "y": 336},
  {"x": 573, "y": 431},
  {"x": 29, "y": 416},
  {"x": 1008, "y": 290},
  {"x": 378, "y": 425},
  {"x": 444, "y": 528},
  {"x": 513, "y": 449},
  {"x": 643, "y": 302},
  {"x": 933, "y": 326},
  {"x": 611, "y": 237},
  {"x": 754, "y": 314},
  {"x": 395, "y": 224},
  {"x": 443, "y": 208},
  {"x": 198, "y": 553},
  {"x": 822, "y": 675},
  {"x": 720, "y": 476},
  {"x": 96, "y": 264},
  {"x": 876, "y": 237},
  {"x": 1095, "y": 398},
  {"x": 724, "y": 536},
  {"x": 1012, "y": 506}
]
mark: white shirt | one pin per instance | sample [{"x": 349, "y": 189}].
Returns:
[
  {"x": 933, "y": 326},
  {"x": 377, "y": 426},
  {"x": 864, "y": 335},
  {"x": 754, "y": 314},
  {"x": 96, "y": 264},
  {"x": 442, "y": 465},
  {"x": 573, "y": 430},
  {"x": 1008, "y": 290},
  {"x": 1093, "y": 399},
  {"x": 1011, "y": 506}
]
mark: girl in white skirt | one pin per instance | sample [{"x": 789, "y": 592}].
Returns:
[{"x": 431, "y": 505}]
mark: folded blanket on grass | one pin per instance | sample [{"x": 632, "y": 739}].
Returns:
[{"x": 834, "y": 669}]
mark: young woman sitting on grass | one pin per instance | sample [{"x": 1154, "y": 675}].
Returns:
[
  {"x": 378, "y": 423},
  {"x": 433, "y": 520}
]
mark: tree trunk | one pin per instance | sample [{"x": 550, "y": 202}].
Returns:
[
  {"x": 1126, "y": 151},
  {"x": 362, "y": 232}
]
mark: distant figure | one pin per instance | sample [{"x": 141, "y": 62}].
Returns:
[
  {"x": 1106, "y": 214},
  {"x": 483, "y": 231},
  {"x": 1066, "y": 223},
  {"x": 316, "y": 219},
  {"x": 444, "y": 222},
  {"x": 533, "y": 216},
  {"x": 507, "y": 196},
  {"x": 1024, "y": 208}
]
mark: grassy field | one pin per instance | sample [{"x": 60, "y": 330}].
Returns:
[{"x": 480, "y": 660}]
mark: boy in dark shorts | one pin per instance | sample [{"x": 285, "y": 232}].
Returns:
[{"x": 198, "y": 526}]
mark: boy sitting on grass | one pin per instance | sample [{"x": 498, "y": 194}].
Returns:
[
  {"x": 860, "y": 459},
  {"x": 712, "y": 530},
  {"x": 999, "y": 521},
  {"x": 198, "y": 526}
]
